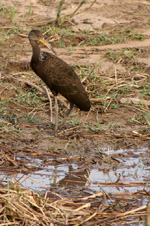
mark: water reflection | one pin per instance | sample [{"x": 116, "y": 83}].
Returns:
[{"x": 133, "y": 169}]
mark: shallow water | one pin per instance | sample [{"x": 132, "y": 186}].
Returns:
[{"x": 135, "y": 168}]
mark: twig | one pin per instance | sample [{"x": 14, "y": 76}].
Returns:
[
  {"x": 134, "y": 101},
  {"x": 88, "y": 75},
  {"x": 132, "y": 211},
  {"x": 96, "y": 100},
  {"x": 79, "y": 6},
  {"x": 89, "y": 218},
  {"x": 43, "y": 91},
  {"x": 59, "y": 12},
  {"x": 81, "y": 3},
  {"x": 4, "y": 89},
  {"x": 93, "y": 196},
  {"x": 50, "y": 104},
  {"x": 92, "y": 5}
]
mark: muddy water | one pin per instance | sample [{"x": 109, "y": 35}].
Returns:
[{"x": 131, "y": 175}]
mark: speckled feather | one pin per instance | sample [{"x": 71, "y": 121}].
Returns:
[{"x": 59, "y": 77}]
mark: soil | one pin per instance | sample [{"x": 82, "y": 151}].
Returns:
[{"x": 107, "y": 41}]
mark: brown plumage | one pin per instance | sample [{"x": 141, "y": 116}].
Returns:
[{"x": 57, "y": 75}]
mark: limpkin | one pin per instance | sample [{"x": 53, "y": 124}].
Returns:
[{"x": 58, "y": 76}]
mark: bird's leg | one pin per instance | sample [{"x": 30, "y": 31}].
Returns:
[
  {"x": 56, "y": 115},
  {"x": 67, "y": 114}
]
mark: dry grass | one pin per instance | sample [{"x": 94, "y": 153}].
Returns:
[{"x": 25, "y": 207}]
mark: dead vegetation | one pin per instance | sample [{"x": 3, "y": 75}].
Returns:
[{"x": 25, "y": 207}]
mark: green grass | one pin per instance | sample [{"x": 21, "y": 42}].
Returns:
[
  {"x": 7, "y": 128},
  {"x": 136, "y": 119},
  {"x": 60, "y": 43},
  {"x": 11, "y": 12},
  {"x": 147, "y": 118},
  {"x": 5, "y": 102},
  {"x": 29, "y": 98},
  {"x": 28, "y": 12},
  {"x": 68, "y": 37},
  {"x": 145, "y": 90},
  {"x": 2, "y": 109},
  {"x": 29, "y": 118},
  {"x": 5, "y": 33},
  {"x": 115, "y": 55}
]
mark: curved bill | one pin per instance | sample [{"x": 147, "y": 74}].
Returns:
[{"x": 44, "y": 42}]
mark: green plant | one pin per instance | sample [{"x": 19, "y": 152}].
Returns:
[
  {"x": 147, "y": 118},
  {"x": 58, "y": 19},
  {"x": 28, "y": 12},
  {"x": 70, "y": 47},
  {"x": 11, "y": 11},
  {"x": 145, "y": 90},
  {"x": 30, "y": 98},
  {"x": 128, "y": 53},
  {"x": 4, "y": 102},
  {"x": 60, "y": 43},
  {"x": 2, "y": 109},
  {"x": 112, "y": 54},
  {"x": 29, "y": 118}
]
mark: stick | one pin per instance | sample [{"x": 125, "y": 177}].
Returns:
[{"x": 50, "y": 104}]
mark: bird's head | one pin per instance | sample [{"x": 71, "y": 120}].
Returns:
[{"x": 36, "y": 36}]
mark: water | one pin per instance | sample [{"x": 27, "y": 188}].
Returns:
[{"x": 134, "y": 168}]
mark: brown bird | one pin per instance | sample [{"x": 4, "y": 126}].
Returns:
[{"x": 58, "y": 76}]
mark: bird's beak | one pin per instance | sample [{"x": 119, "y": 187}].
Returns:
[{"x": 44, "y": 42}]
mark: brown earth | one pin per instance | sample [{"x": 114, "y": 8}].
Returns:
[{"x": 111, "y": 17}]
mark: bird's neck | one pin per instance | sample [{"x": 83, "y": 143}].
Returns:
[{"x": 36, "y": 52}]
